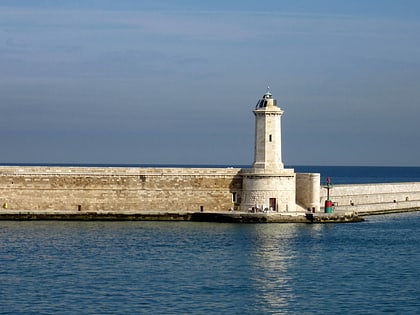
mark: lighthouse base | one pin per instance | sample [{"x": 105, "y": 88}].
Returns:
[{"x": 268, "y": 191}]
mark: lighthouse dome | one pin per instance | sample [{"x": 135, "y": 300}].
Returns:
[{"x": 266, "y": 100}]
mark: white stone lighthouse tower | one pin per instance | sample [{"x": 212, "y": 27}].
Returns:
[
  {"x": 268, "y": 186},
  {"x": 268, "y": 133}
]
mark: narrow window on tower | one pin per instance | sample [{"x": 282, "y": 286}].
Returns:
[{"x": 270, "y": 138}]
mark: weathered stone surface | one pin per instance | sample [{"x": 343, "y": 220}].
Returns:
[
  {"x": 376, "y": 198},
  {"x": 259, "y": 188},
  {"x": 144, "y": 189}
]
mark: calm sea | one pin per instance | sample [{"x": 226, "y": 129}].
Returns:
[
  {"x": 63, "y": 267},
  {"x": 363, "y": 174}
]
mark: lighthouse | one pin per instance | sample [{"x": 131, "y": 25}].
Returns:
[
  {"x": 267, "y": 152},
  {"x": 267, "y": 186}
]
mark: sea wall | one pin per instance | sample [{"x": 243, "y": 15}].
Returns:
[
  {"x": 180, "y": 190},
  {"x": 119, "y": 189},
  {"x": 375, "y": 198}
]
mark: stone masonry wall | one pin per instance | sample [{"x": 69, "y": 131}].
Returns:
[
  {"x": 119, "y": 189},
  {"x": 367, "y": 198},
  {"x": 258, "y": 188}
]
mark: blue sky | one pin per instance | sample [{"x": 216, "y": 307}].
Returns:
[{"x": 175, "y": 82}]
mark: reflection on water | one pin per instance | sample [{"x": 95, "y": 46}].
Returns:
[{"x": 273, "y": 257}]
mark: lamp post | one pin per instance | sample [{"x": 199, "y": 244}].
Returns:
[{"x": 328, "y": 203}]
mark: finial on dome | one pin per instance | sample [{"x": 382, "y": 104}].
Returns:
[{"x": 268, "y": 93}]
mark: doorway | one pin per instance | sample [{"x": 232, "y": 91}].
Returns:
[{"x": 273, "y": 204}]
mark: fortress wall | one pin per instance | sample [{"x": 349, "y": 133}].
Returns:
[
  {"x": 367, "y": 198},
  {"x": 119, "y": 189},
  {"x": 308, "y": 190}
]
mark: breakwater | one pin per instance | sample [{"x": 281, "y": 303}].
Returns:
[
  {"x": 149, "y": 189},
  {"x": 378, "y": 198},
  {"x": 93, "y": 189},
  {"x": 224, "y": 217},
  {"x": 180, "y": 194}
]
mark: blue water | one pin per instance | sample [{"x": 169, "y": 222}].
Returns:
[
  {"x": 63, "y": 267},
  {"x": 51, "y": 267},
  {"x": 363, "y": 174}
]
